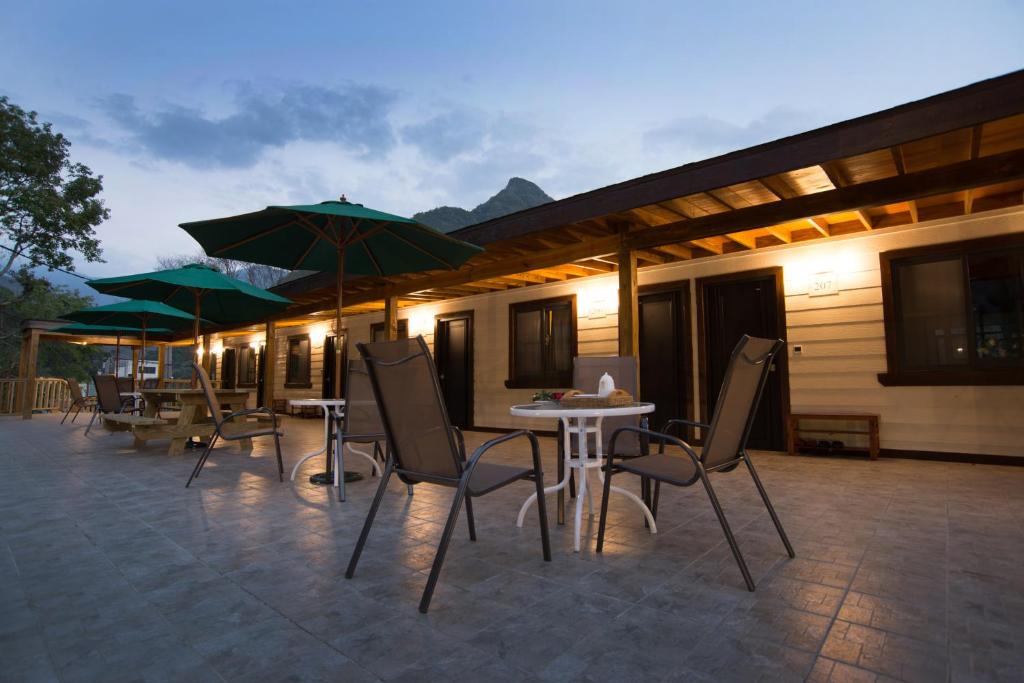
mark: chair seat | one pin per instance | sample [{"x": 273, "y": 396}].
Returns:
[
  {"x": 233, "y": 436},
  {"x": 667, "y": 468},
  {"x": 489, "y": 476}
]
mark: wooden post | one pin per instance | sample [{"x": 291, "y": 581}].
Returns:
[
  {"x": 161, "y": 358},
  {"x": 269, "y": 364},
  {"x": 30, "y": 351},
  {"x": 391, "y": 318},
  {"x": 135, "y": 367},
  {"x": 206, "y": 353},
  {"x": 629, "y": 306}
]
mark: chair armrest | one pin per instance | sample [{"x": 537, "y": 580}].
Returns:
[
  {"x": 667, "y": 428},
  {"x": 488, "y": 445},
  {"x": 660, "y": 437},
  {"x": 253, "y": 411}
]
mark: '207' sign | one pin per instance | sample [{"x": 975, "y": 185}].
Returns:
[{"x": 823, "y": 284}]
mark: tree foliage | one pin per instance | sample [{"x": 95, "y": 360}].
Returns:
[
  {"x": 35, "y": 298},
  {"x": 255, "y": 274},
  {"x": 49, "y": 205}
]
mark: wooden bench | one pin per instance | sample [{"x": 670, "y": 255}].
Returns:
[
  {"x": 869, "y": 430},
  {"x": 123, "y": 422}
]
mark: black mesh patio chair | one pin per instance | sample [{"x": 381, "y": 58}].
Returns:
[
  {"x": 359, "y": 423},
  {"x": 78, "y": 402},
  {"x": 109, "y": 400},
  {"x": 725, "y": 442},
  {"x": 124, "y": 385},
  {"x": 222, "y": 417},
  {"x": 424, "y": 448},
  {"x": 586, "y": 373}
]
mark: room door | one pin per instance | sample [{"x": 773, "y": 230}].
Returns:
[
  {"x": 260, "y": 374},
  {"x": 327, "y": 378},
  {"x": 665, "y": 365},
  {"x": 453, "y": 354},
  {"x": 227, "y": 370},
  {"x": 733, "y": 305}
]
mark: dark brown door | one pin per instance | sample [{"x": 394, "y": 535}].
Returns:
[
  {"x": 734, "y": 305},
  {"x": 327, "y": 382},
  {"x": 664, "y": 354},
  {"x": 261, "y": 374},
  {"x": 453, "y": 353},
  {"x": 227, "y": 369}
]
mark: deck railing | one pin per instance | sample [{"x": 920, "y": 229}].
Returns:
[{"x": 51, "y": 393}]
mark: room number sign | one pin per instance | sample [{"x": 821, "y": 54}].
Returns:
[{"x": 823, "y": 284}]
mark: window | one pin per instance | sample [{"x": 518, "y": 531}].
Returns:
[
  {"x": 297, "y": 364},
  {"x": 377, "y": 331},
  {"x": 213, "y": 367},
  {"x": 954, "y": 313},
  {"x": 542, "y": 343},
  {"x": 246, "y": 367}
]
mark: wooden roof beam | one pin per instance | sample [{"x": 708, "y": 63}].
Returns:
[
  {"x": 708, "y": 244},
  {"x": 651, "y": 256},
  {"x": 839, "y": 180},
  {"x": 742, "y": 239},
  {"x": 779, "y": 233},
  {"x": 677, "y": 250},
  {"x": 821, "y": 225}
]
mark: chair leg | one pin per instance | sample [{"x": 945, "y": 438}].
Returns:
[
  {"x": 442, "y": 547},
  {"x": 469, "y": 519},
  {"x": 77, "y": 413},
  {"x": 280, "y": 462},
  {"x": 358, "y": 550},
  {"x": 657, "y": 496},
  {"x": 95, "y": 412},
  {"x": 542, "y": 514},
  {"x": 728, "y": 531},
  {"x": 604, "y": 508},
  {"x": 202, "y": 459},
  {"x": 67, "y": 412},
  {"x": 768, "y": 504}
]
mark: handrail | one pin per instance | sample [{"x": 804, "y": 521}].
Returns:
[{"x": 51, "y": 394}]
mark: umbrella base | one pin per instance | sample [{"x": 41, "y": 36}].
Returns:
[
  {"x": 327, "y": 479},
  {"x": 192, "y": 443}
]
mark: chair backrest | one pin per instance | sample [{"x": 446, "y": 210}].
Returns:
[
  {"x": 362, "y": 416},
  {"x": 125, "y": 384},
  {"x": 744, "y": 381},
  {"x": 108, "y": 398},
  {"x": 151, "y": 383},
  {"x": 586, "y": 373},
  {"x": 211, "y": 397},
  {"x": 74, "y": 389},
  {"x": 412, "y": 410}
]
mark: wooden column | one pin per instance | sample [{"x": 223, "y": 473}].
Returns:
[
  {"x": 206, "y": 353},
  {"x": 30, "y": 356},
  {"x": 135, "y": 363},
  {"x": 391, "y": 318},
  {"x": 161, "y": 358},
  {"x": 270, "y": 364},
  {"x": 629, "y": 306}
]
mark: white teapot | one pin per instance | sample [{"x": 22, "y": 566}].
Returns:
[{"x": 606, "y": 385}]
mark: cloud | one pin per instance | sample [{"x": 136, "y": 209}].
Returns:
[
  {"x": 705, "y": 135},
  {"x": 449, "y": 134},
  {"x": 355, "y": 117}
]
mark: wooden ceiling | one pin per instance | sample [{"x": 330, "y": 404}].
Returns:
[{"x": 971, "y": 160}]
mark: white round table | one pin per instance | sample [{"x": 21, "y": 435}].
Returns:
[
  {"x": 330, "y": 406},
  {"x": 575, "y": 422}
]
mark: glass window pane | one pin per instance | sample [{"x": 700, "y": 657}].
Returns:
[
  {"x": 560, "y": 330},
  {"x": 529, "y": 350},
  {"x": 933, "y": 314},
  {"x": 997, "y": 303}
]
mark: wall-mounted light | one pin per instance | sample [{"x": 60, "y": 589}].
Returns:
[
  {"x": 254, "y": 345},
  {"x": 317, "y": 334},
  {"x": 596, "y": 300},
  {"x": 217, "y": 348},
  {"x": 421, "y": 322}
]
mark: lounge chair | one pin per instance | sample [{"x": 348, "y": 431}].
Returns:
[
  {"x": 359, "y": 423},
  {"x": 424, "y": 447},
  {"x": 222, "y": 417},
  {"x": 78, "y": 402},
  {"x": 109, "y": 400},
  {"x": 725, "y": 443}
]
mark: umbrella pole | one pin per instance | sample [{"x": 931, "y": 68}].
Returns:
[
  {"x": 338, "y": 348},
  {"x": 195, "y": 342},
  {"x": 117, "y": 353},
  {"x": 142, "y": 355}
]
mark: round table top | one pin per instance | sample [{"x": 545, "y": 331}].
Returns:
[
  {"x": 554, "y": 409},
  {"x": 323, "y": 402}
]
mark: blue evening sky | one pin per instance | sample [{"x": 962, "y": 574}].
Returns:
[{"x": 194, "y": 110}]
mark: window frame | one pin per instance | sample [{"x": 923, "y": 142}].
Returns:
[
  {"x": 972, "y": 374},
  {"x": 298, "y": 382},
  {"x": 548, "y": 381},
  {"x": 244, "y": 353}
]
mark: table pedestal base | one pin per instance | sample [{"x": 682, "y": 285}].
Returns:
[{"x": 327, "y": 478}]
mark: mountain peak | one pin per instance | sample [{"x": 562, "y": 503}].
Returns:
[{"x": 517, "y": 195}]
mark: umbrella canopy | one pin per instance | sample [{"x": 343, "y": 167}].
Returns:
[
  {"x": 116, "y": 331},
  {"x": 333, "y": 236},
  {"x": 195, "y": 288},
  {"x": 200, "y": 289},
  {"x": 134, "y": 312}
]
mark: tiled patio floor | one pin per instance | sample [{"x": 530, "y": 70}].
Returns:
[{"x": 113, "y": 571}]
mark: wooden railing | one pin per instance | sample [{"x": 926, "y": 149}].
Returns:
[{"x": 51, "y": 393}]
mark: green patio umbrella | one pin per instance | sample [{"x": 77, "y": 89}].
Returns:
[
  {"x": 134, "y": 312},
  {"x": 333, "y": 236},
  {"x": 116, "y": 331},
  {"x": 206, "y": 292}
]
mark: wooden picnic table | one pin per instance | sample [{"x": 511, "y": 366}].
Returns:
[{"x": 193, "y": 420}]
